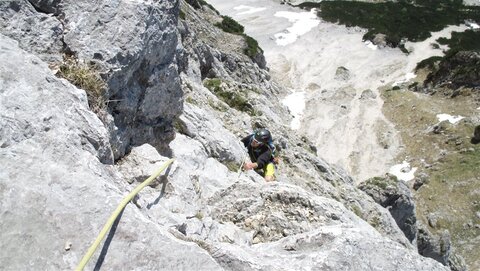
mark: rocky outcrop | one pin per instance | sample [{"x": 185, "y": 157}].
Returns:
[
  {"x": 439, "y": 248},
  {"x": 55, "y": 191},
  {"x": 458, "y": 70},
  {"x": 395, "y": 195},
  {"x": 397, "y": 198},
  {"x": 476, "y": 135},
  {"x": 134, "y": 44}
]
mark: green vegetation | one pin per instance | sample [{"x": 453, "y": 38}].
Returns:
[
  {"x": 375, "y": 222},
  {"x": 87, "y": 78},
  {"x": 181, "y": 14},
  {"x": 465, "y": 41},
  {"x": 453, "y": 163},
  {"x": 405, "y": 19},
  {"x": 428, "y": 63},
  {"x": 357, "y": 211},
  {"x": 229, "y": 25},
  {"x": 199, "y": 215},
  {"x": 233, "y": 99},
  {"x": 252, "y": 47},
  {"x": 379, "y": 182},
  {"x": 204, "y": 3},
  {"x": 190, "y": 100},
  {"x": 231, "y": 165}
]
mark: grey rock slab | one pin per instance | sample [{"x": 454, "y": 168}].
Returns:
[
  {"x": 394, "y": 195},
  {"x": 133, "y": 45},
  {"x": 36, "y": 32},
  {"x": 207, "y": 129},
  {"x": 54, "y": 190},
  {"x": 141, "y": 163},
  {"x": 326, "y": 248},
  {"x": 36, "y": 104}
]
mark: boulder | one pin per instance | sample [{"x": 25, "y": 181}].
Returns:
[
  {"x": 368, "y": 94},
  {"x": 380, "y": 40},
  {"x": 476, "y": 135},
  {"x": 342, "y": 74}
]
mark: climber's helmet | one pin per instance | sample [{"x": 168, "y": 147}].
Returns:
[{"x": 262, "y": 136}]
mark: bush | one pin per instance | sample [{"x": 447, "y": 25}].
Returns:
[
  {"x": 428, "y": 63},
  {"x": 252, "y": 47},
  {"x": 465, "y": 41},
  {"x": 87, "y": 78},
  {"x": 230, "y": 25},
  {"x": 204, "y": 3}
]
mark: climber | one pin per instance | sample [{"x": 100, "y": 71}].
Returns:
[{"x": 262, "y": 154}]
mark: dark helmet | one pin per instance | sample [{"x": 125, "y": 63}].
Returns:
[{"x": 263, "y": 136}]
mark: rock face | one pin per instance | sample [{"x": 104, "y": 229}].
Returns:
[
  {"x": 397, "y": 198},
  {"x": 55, "y": 190},
  {"x": 135, "y": 46},
  {"x": 476, "y": 135},
  {"x": 58, "y": 185},
  {"x": 439, "y": 248},
  {"x": 460, "y": 69},
  {"x": 395, "y": 195}
]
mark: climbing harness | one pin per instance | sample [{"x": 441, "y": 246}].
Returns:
[{"x": 117, "y": 211}]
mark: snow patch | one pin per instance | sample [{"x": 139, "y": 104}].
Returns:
[
  {"x": 296, "y": 104},
  {"x": 303, "y": 22},
  {"x": 248, "y": 9},
  {"x": 472, "y": 25},
  {"x": 450, "y": 118},
  {"x": 403, "y": 171},
  {"x": 409, "y": 76},
  {"x": 371, "y": 45}
]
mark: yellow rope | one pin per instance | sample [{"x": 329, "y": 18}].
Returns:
[{"x": 115, "y": 214}]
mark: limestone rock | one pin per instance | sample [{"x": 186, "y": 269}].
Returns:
[
  {"x": 47, "y": 6},
  {"x": 54, "y": 188},
  {"x": 380, "y": 40},
  {"x": 397, "y": 198},
  {"x": 140, "y": 163},
  {"x": 342, "y": 74},
  {"x": 288, "y": 222},
  {"x": 439, "y": 248},
  {"x": 45, "y": 31},
  {"x": 367, "y": 95},
  {"x": 133, "y": 43},
  {"x": 57, "y": 171}
]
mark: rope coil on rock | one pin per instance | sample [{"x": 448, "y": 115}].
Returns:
[{"x": 117, "y": 211}]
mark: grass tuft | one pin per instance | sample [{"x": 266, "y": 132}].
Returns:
[
  {"x": 87, "y": 78},
  {"x": 233, "y": 99}
]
